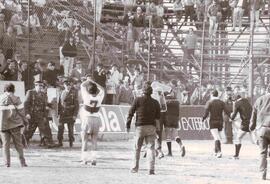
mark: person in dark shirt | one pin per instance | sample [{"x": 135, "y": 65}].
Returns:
[
  {"x": 11, "y": 73},
  {"x": 147, "y": 112},
  {"x": 100, "y": 75},
  {"x": 244, "y": 108},
  {"x": 215, "y": 107},
  {"x": 228, "y": 130},
  {"x": 51, "y": 74}
]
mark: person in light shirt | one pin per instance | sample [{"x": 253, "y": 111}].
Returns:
[{"x": 92, "y": 96}]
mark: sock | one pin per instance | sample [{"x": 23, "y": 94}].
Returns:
[
  {"x": 179, "y": 141},
  {"x": 169, "y": 145},
  {"x": 237, "y": 149}
]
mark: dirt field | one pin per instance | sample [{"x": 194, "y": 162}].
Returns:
[{"x": 57, "y": 166}]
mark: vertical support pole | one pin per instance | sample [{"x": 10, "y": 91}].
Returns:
[
  {"x": 28, "y": 42},
  {"x": 149, "y": 48},
  {"x": 251, "y": 71},
  {"x": 94, "y": 37},
  {"x": 202, "y": 53}
]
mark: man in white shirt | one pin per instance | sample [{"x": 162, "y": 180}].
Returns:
[{"x": 92, "y": 95}]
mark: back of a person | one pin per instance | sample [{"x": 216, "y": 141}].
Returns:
[
  {"x": 262, "y": 106},
  {"x": 146, "y": 110},
  {"x": 216, "y": 110},
  {"x": 245, "y": 110}
]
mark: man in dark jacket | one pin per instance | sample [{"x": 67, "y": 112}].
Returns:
[
  {"x": 69, "y": 51},
  {"x": 228, "y": 130},
  {"x": 244, "y": 108},
  {"x": 215, "y": 107},
  {"x": 260, "y": 120},
  {"x": 147, "y": 112}
]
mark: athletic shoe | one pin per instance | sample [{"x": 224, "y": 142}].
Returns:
[
  {"x": 151, "y": 172},
  {"x": 219, "y": 155},
  {"x": 235, "y": 157},
  {"x": 134, "y": 170},
  {"x": 24, "y": 165},
  {"x": 183, "y": 151},
  {"x": 94, "y": 163},
  {"x": 160, "y": 155}
]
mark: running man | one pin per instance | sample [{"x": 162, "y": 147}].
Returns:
[{"x": 92, "y": 95}]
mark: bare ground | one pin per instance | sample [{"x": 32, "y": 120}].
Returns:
[{"x": 199, "y": 166}]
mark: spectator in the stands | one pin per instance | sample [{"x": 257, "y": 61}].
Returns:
[
  {"x": 2, "y": 25},
  {"x": 35, "y": 27},
  {"x": 178, "y": 9},
  {"x": 115, "y": 77},
  {"x": 26, "y": 76},
  {"x": 136, "y": 79},
  {"x": 239, "y": 6},
  {"x": 125, "y": 95},
  {"x": 159, "y": 18},
  {"x": 138, "y": 19},
  {"x": 69, "y": 52},
  {"x": 78, "y": 72},
  {"x": 190, "y": 44},
  {"x": 130, "y": 39},
  {"x": 99, "y": 75},
  {"x": 225, "y": 12},
  {"x": 11, "y": 6},
  {"x": 11, "y": 72},
  {"x": 51, "y": 75},
  {"x": 18, "y": 59},
  {"x": 200, "y": 10},
  {"x": 36, "y": 67},
  {"x": 189, "y": 10},
  {"x": 213, "y": 13},
  {"x": 16, "y": 22},
  {"x": 255, "y": 7},
  {"x": 8, "y": 44}
]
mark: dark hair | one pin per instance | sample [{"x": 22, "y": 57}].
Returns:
[
  {"x": 92, "y": 88},
  {"x": 9, "y": 88},
  {"x": 147, "y": 89},
  {"x": 215, "y": 93}
]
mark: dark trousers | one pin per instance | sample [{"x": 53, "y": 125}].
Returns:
[
  {"x": 16, "y": 136},
  {"x": 228, "y": 128},
  {"x": 264, "y": 141},
  {"x": 61, "y": 127},
  {"x": 43, "y": 125}
]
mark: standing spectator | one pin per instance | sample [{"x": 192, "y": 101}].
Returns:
[
  {"x": 238, "y": 12},
  {"x": 212, "y": 13},
  {"x": 136, "y": 79},
  {"x": 225, "y": 13},
  {"x": 255, "y": 8},
  {"x": 51, "y": 75},
  {"x": 159, "y": 18},
  {"x": 8, "y": 44},
  {"x": 11, "y": 127},
  {"x": 16, "y": 22},
  {"x": 138, "y": 21},
  {"x": 178, "y": 9},
  {"x": 189, "y": 10},
  {"x": 125, "y": 94},
  {"x": 260, "y": 120},
  {"x": 190, "y": 44},
  {"x": 115, "y": 75},
  {"x": 78, "y": 72},
  {"x": 26, "y": 76},
  {"x": 3, "y": 63},
  {"x": 67, "y": 108},
  {"x": 69, "y": 51},
  {"x": 2, "y": 25},
  {"x": 147, "y": 112},
  {"x": 215, "y": 107},
  {"x": 11, "y": 73},
  {"x": 228, "y": 129},
  {"x": 99, "y": 75},
  {"x": 130, "y": 38}
]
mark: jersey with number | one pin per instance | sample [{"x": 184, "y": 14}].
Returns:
[{"x": 91, "y": 103}]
